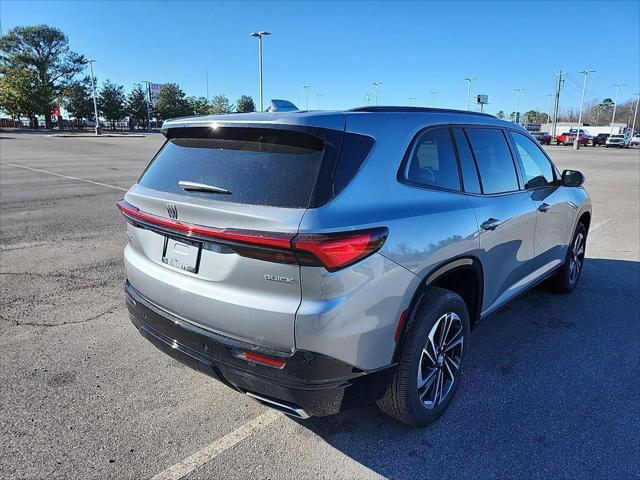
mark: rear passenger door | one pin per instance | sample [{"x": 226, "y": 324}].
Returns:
[
  {"x": 556, "y": 211},
  {"x": 506, "y": 214}
]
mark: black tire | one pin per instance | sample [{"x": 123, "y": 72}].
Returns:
[
  {"x": 565, "y": 279},
  {"x": 402, "y": 400}
]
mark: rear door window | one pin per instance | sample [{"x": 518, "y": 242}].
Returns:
[
  {"x": 494, "y": 160},
  {"x": 257, "y": 166},
  {"x": 433, "y": 161}
]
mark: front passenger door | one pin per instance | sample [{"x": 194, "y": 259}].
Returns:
[{"x": 556, "y": 210}]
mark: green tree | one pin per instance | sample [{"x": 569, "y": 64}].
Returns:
[
  {"x": 245, "y": 104},
  {"x": 44, "y": 50},
  {"x": 533, "y": 116},
  {"x": 607, "y": 104},
  {"x": 605, "y": 107},
  {"x": 199, "y": 105},
  {"x": 18, "y": 94},
  {"x": 171, "y": 102},
  {"x": 112, "y": 102},
  {"x": 77, "y": 100},
  {"x": 500, "y": 114},
  {"x": 220, "y": 105},
  {"x": 137, "y": 105}
]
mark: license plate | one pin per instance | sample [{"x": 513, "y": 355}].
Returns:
[{"x": 182, "y": 254}]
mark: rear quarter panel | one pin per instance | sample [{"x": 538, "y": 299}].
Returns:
[{"x": 352, "y": 314}]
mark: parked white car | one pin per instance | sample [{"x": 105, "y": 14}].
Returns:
[
  {"x": 635, "y": 140},
  {"x": 621, "y": 140}
]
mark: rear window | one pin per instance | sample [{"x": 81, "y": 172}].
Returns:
[{"x": 257, "y": 166}]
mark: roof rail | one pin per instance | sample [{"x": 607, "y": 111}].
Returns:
[{"x": 417, "y": 110}]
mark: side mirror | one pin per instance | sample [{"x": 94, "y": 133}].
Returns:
[{"x": 572, "y": 178}]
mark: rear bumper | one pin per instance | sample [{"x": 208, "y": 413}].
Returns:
[{"x": 308, "y": 384}]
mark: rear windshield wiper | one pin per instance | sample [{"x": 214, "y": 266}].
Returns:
[{"x": 201, "y": 187}]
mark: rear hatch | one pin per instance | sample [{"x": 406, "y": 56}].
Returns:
[{"x": 210, "y": 221}]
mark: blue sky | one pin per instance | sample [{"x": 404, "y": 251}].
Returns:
[{"x": 341, "y": 48}]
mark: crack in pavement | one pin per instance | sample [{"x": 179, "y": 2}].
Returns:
[{"x": 48, "y": 325}]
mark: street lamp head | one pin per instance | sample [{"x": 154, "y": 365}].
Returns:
[
  {"x": 264, "y": 33},
  {"x": 259, "y": 34}
]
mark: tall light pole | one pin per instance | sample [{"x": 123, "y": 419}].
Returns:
[
  {"x": 550, "y": 95},
  {"x": 615, "y": 104},
  {"x": 318, "y": 95},
  {"x": 635, "y": 115},
  {"x": 367, "y": 98},
  {"x": 306, "y": 96},
  {"x": 376, "y": 85},
  {"x": 148, "y": 84},
  {"x": 469, "y": 80},
  {"x": 412, "y": 100},
  {"x": 517, "y": 90},
  {"x": 259, "y": 36},
  {"x": 576, "y": 142},
  {"x": 95, "y": 102},
  {"x": 433, "y": 97}
]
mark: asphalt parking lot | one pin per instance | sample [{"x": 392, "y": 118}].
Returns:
[{"x": 550, "y": 390}]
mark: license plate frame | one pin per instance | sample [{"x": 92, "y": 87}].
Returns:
[{"x": 188, "y": 260}]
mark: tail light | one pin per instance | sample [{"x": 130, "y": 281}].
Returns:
[
  {"x": 338, "y": 250},
  {"x": 332, "y": 250}
]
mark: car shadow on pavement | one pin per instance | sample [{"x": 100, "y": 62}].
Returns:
[{"x": 550, "y": 389}]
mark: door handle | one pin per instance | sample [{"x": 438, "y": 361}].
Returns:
[
  {"x": 491, "y": 224},
  {"x": 544, "y": 207}
]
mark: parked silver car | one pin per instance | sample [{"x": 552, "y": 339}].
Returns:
[{"x": 317, "y": 261}]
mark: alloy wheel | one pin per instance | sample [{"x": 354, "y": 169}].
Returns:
[
  {"x": 577, "y": 258},
  {"x": 440, "y": 360}
]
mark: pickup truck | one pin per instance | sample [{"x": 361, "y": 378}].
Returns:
[{"x": 568, "y": 139}]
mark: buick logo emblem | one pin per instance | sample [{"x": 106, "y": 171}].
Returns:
[{"x": 172, "y": 210}]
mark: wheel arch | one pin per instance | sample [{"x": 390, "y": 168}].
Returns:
[
  {"x": 463, "y": 275},
  {"x": 585, "y": 218}
]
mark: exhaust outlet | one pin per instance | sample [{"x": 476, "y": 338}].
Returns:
[{"x": 291, "y": 410}]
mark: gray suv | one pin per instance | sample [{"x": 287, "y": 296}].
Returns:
[{"x": 316, "y": 261}]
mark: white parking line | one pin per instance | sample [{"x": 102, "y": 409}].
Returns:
[
  {"x": 211, "y": 451},
  {"x": 64, "y": 176},
  {"x": 598, "y": 225}
]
